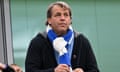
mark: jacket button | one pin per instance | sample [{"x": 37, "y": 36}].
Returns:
[{"x": 74, "y": 56}]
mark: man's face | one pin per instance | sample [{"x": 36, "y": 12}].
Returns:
[{"x": 60, "y": 19}]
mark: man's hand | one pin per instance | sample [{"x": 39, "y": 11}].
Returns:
[
  {"x": 2, "y": 66},
  {"x": 78, "y": 70},
  {"x": 62, "y": 68},
  {"x": 16, "y": 68}
]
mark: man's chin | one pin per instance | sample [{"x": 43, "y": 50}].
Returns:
[{"x": 63, "y": 29}]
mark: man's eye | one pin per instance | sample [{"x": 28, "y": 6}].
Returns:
[
  {"x": 58, "y": 15},
  {"x": 66, "y": 14}
]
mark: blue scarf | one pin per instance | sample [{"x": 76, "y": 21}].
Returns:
[{"x": 67, "y": 38}]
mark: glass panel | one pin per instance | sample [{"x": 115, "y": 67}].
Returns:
[
  {"x": 96, "y": 19},
  {"x": 27, "y": 20},
  {"x": 29, "y": 16}
]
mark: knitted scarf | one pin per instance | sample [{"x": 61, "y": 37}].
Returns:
[{"x": 61, "y": 44}]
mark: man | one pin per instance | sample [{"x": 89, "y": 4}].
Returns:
[
  {"x": 9, "y": 68},
  {"x": 60, "y": 48}
]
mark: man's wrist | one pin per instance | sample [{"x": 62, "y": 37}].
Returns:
[{"x": 8, "y": 69}]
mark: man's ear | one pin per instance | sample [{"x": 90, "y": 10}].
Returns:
[{"x": 49, "y": 21}]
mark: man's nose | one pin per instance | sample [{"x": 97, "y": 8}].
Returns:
[{"x": 62, "y": 18}]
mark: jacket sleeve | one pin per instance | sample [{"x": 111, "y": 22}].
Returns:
[
  {"x": 90, "y": 60},
  {"x": 34, "y": 57}
]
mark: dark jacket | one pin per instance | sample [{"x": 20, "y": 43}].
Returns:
[{"x": 41, "y": 58}]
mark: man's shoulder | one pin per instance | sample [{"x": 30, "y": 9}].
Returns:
[
  {"x": 79, "y": 35},
  {"x": 40, "y": 36}
]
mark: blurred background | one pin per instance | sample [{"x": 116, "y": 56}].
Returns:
[{"x": 98, "y": 20}]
